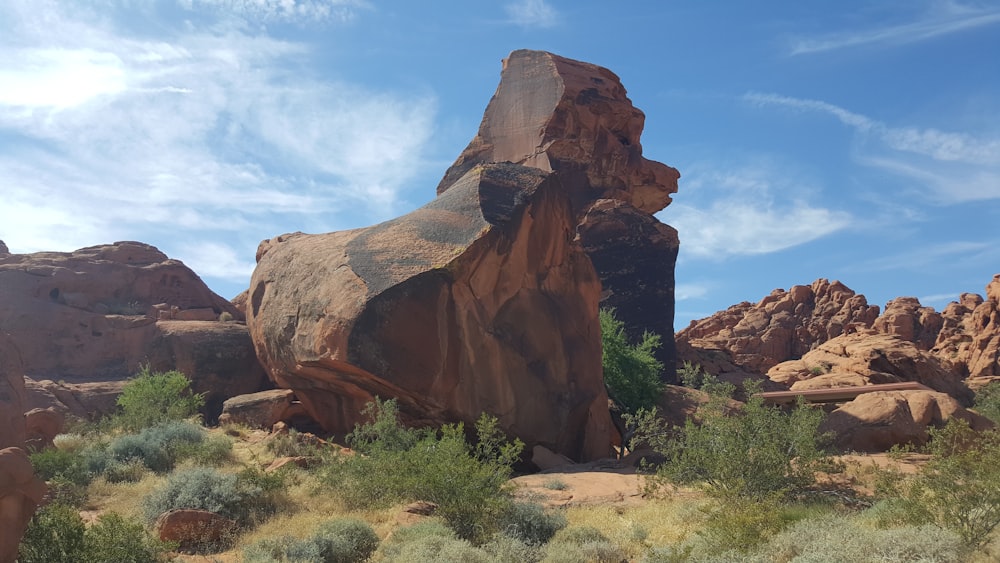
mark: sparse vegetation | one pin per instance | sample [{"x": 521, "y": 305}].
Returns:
[
  {"x": 987, "y": 401},
  {"x": 344, "y": 540},
  {"x": 237, "y": 497},
  {"x": 57, "y": 533},
  {"x": 631, "y": 372}
]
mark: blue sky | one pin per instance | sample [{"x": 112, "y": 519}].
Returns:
[{"x": 857, "y": 141}]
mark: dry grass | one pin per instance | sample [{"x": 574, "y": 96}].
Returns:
[
  {"x": 123, "y": 498},
  {"x": 635, "y": 528}
]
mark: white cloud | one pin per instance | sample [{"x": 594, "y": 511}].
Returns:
[
  {"x": 747, "y": 211},
  {"x": 932, "y": 256},
  {"x": 947, "y": 18},
  {"x": 206, "y": 135},
  {"x": 686, "y": 291},
  {"x": 282, "y": 10},
  {"x": 956, "y": 167},
  {"x": 532, "y": 13}
]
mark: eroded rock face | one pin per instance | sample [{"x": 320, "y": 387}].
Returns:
[
  {"x": 20, "y": 490},
  {"x": 575, "y": 119},
  {"x": 970, "y": 337},
  {"x": 90, "y": 317},
  {"x": 907, "y": 319},
  {"x": 782, "y": 326},
  {"x": 484, "y": 299}
]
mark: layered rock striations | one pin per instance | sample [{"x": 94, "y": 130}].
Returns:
[
  {"x": 90, "y": 318},
  {"x": 485, "y": 299}
]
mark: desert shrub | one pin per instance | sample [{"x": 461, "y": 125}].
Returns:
[
  {"x": 151, "y": 398},
  {"x": 582, "y": 543},
  {"x": 959, "y": 488},
  {"x": 508, "y": 549},
  {"x": 431, "y": 540},
  {"x": 752, "y": 452},
  {"x": 987, "y": 401},
  {"x": 293, "y": 444},
  {"x": 345, "y": 540},
  {"x": 55, "y": 534},
  {"x": 208, "y": 489},
  {"x": 530, "y": 523},
  {"x": 741, "y": 523},
  {"x": 128, "y": 471},
  {"x": 115, "y": 539},
  {"x": 631, "y": 372},
  {"x": 214, "y": 450},
  {"x": 52, "y": 463},
  {"x": 158, "y": 447},
  {"x": 468, "y": 484},
  {"x": 555, "y": 484},
  {"x": 840, "y": 538}
]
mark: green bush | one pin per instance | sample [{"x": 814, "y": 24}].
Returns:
[
  {"x": 151, "y": 398},
  {"x": 753, "y": 451},
  {"x": 631, "y": 372},
  {"x": 507, "y": 549},
  {"x": 346, "y": 540},
  {"x": 959, "y": 488},
  {"x": 987, "y": 402},
  {"x": 582, "y": 543},
  {"x": 431, "y": 540},
  {"x": 468, "y": 484},
  {"x": 54, "y": 535},
  {"x": 57, "y": 534},
  {"x": 530, "y": 523},
  {"x": 208, "y": 489},
  {"x": 741, "y": 523},
  {"x": 115, "y": 539}
]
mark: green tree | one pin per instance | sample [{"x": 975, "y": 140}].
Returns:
[
  {"x": 631, "y": 372},
  {"x": 151, "y": 398}
]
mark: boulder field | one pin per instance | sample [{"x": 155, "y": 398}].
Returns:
[{"x": 486, "y": 298}]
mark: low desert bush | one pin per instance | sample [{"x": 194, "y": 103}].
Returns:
[
  {"x": 987, "y": 401},
  {"x": 959, "y": 488},
  {"x": 151, "y": 398},
  {"x": 431, "y": 540},
  {"x": 294, "y": 444},
  {"x": 469, "y": 484},
  {"x": 57, "y": 533},
  {"x": 531, "y": 524},
  {"x": 161, "y": 446},
  {"x": 234, "y": 496},
  {"x": 631, "y": 371},
  {"x": 345, "y": 540},
  {"x": 582, "y": 543},
  {"x": 753, "y": 451}
]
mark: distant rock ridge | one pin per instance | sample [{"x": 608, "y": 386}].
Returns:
[
  {"x": 786, "y": 333},
  {"x": 486, "y": 298}
]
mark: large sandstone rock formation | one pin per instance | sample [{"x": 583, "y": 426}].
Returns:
[
  {"x": 782, "y": 326},
  {"x": 866, "y": 357},
  {"x": 92, "y": 316},
  {"x": 20, "y": 490},
  {"x": 876, "y": 421},
  {"x": 485, "y": 299}
]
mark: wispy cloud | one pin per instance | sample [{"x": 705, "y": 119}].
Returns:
[
  {"x": 747, "y": 210},
  {"x": 933, "y": 256},
  {"x": 945, "y": 18},
  {"x": 531, "y": 13},
  {"x": 207, "y": 134},
  {"x": 282, "y": 10},
  {"x": 955, "y": 166},
  {"x": 686, "y": 291}
]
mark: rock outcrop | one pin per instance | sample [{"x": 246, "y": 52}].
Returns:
[
  {"x": 20, "y": 490},
  {"x": 782, "y": 326},
  {"x": 485, "y": 299},
  {"x": 970, "y": 336},
  {"x": 876, "y": 421},
  {"x": 90, "y": 317},
  {"x": 867, "y": 357}
]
